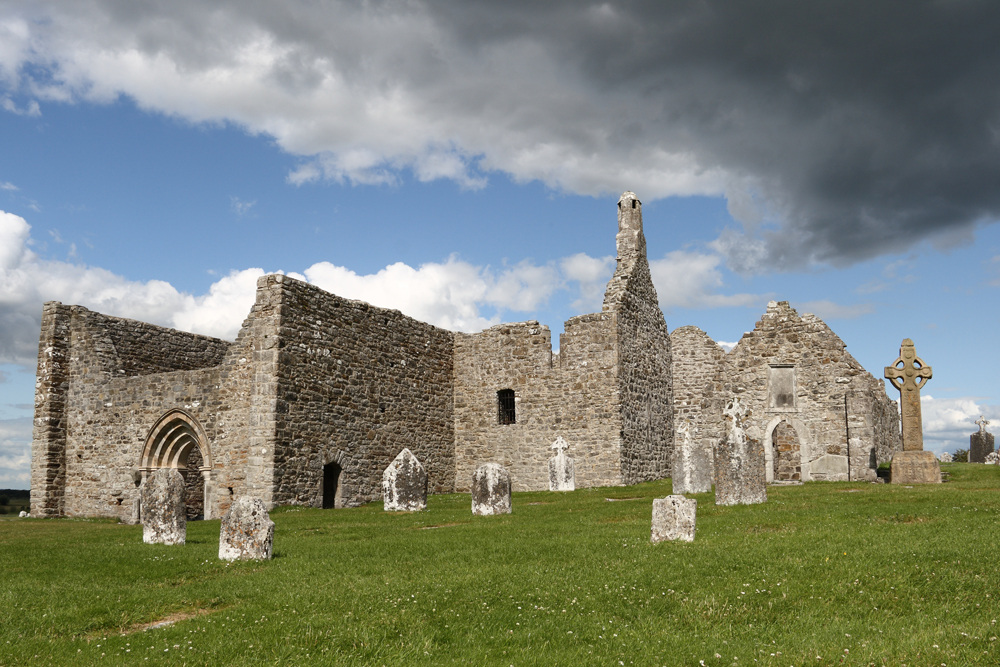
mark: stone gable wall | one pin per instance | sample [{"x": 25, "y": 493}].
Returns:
[{"x": 357, "y": 384}]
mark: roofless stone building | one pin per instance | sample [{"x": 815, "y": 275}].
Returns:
[{"x": 318, "y": 394}]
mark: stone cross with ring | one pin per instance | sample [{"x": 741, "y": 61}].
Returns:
[
  {"x": 909, "y": 374},
  {"x": 982, "y": 423}
]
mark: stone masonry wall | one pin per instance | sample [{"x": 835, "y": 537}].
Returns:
[
  {"x": 697, "y": 384},
  {"x": 571, "y": 394},
  {"x": 824, "y": 374},
  {"x": 48, "y": 448},
  {"x": 356, "y": 384},
  {"x": 109, "y": 409}
]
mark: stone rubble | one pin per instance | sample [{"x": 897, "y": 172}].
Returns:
[
  {"x": 562, "y": 474},
  {"x": 161, "y": 499},
  {"x": 490, "y": 490},
  {"x": 247, "y": 532},
  {"x": 404, "y": 484},
  {"x": 739, "y": 461},
  {"x": 673, "y": 519}
]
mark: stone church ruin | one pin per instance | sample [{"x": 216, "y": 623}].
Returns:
[{"x": 318, "y": 394}]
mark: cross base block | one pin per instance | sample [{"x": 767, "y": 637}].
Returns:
[{"x": 915, "y": 468}]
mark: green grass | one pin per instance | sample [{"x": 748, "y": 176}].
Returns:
[{"x": 823, "y": 574}]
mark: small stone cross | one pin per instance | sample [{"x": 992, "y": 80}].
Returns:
[
  {"x": 982, "y": 423},
  {"x": 560, "y": 445},
  {"x": 909, "y": 374}
]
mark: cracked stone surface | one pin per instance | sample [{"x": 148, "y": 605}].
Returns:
[
  {"x": 404, "y": 484},
  {"x": 161, "y": 500},
  {"x": 247, "y": 531},
  {"x": 490, "y": 490}
]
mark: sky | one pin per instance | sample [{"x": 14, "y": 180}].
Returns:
[{"x": 461, "y": 161}]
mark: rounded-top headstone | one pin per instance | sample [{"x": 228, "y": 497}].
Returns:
[
  {"x": 247, "y": 531},
  {"x": 404, "y": 484},
  {"x": 161, "y": 499},
  {"x": 490, "y": 490}
]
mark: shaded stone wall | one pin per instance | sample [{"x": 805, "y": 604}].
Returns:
[
  {"x": 570, "y": 394},
  {"x": 824, "y": 374},
  {"x": 697, "y": 385},
  {"x": 356, "y": 384},
  {"x": 785, "y": 445}
]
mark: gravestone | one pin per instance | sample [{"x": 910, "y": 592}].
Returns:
[
  {"x": 673, "y": 519},
  {"x": 490, "y": 490},
  {"x": 562, "y": 473},
  {"x": 692, "y": 466},
  {"x": 247, "y": 531},
  {"x": 980, "y": 443},
  {"x": 946, "y": 458},
  {"x": 161, "y": 498},
  {"x": 404, "y": 484},
  {"x": 909, "y": 374},
  {"x": 739, "y": 461}
]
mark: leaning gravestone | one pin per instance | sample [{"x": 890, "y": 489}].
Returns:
[
  {"x": 692, "y": 465},
  {"x": 562, "y": 471},
  {"x": 404, "y": 484},
  {"x": 739, "y": 461},
  {"x": 161, "y": 498},
  {"x": 673, "y": 519},
  {"x": 247, "y": 531},
  {"x": 909, "y": 374},
  {"x": 490, "y": 490},
  {"x": 981, "y": 443}
]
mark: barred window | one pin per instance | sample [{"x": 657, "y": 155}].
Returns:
[{"x": 505, "y": 406}]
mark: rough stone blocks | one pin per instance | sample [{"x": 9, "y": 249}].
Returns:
[
  {"x": 162, "y": 502},
  {"x": 912, "y": 467},
  {"x": 980, "y": 446},
  {"x": 490, "y": 490},
  {"x": 673, "y": 519},
  {"x": 404, "y": 484},
  {"x": 247, "y": 531}
]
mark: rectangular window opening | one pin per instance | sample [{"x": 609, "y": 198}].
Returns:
[{"x": 505, "y": 407}]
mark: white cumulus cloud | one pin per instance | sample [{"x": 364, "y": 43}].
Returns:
[{"x": 691, "y": 280}]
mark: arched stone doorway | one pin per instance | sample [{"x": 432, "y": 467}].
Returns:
[
  {"x": 786, "y": 453},
  {"x": 178, "y": 441},
  {"x": 332, "y": 490},
  {"x": 794, "y": 456}
]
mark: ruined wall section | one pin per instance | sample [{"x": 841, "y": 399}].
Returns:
[
  {"x": 355, "y": 385},
  {"x": 697, "y": 383},
  {"x": 137, "y": 348},
  {"x": 874, "y": 427},
  {"x": 824, "y": 374},
  {"x": 644, "y": 355},
  {"x": 110, "y": 409},
  {"x": 572, "y": 394}
]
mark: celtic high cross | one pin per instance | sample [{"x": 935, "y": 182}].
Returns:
[{"x": 909, "y": 374}]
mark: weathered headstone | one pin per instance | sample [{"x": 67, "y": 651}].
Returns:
[
  {"x": 946, "y": 458},
  {"x": 247, "y": 531},
  {"x": 404, "y": 484},
  {"x": 162, "y": 500},
  {"x": 739, "y": 461},
  {"x": 562, "y": 472},
  {"x": 692, "y": 466},
  {"x": 490, "y": 490},
  {"x": 673, "y": 519},
  {"x": 981, "y": 442},
  {"x": 909, "y": 374}
]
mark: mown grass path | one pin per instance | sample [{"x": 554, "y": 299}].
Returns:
[{"x": 823, "y": 574}]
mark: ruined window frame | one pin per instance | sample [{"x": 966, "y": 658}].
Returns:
[
  {"x": 772, "y": 398},
  {"x": 506, "y": 407}
]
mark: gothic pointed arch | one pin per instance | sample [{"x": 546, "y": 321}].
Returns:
[{"x": 172, "y": 439}]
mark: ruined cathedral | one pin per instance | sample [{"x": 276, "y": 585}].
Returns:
[{"x": 319, "y": 393}]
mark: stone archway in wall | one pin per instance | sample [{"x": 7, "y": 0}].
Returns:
[
  {"x": 785, "y": 450},
  {"x": 177, "y": 440}
]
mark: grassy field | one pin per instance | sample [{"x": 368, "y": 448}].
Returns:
[{"x": 823, "y": 574}]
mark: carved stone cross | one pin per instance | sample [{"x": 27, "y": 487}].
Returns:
[
  {"x": 909, "y": 374},
  {"x": 982, "y": 423},
  {"x": 560, "y": 445}
]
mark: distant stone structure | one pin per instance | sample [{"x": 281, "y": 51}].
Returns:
[
  {"x": 981, "y": 443},
  {"x": 404, "y": 484},
  {"x": 739, "y": 461},
  {"x": 946, "y": 458},
  {"x": 909, "y": 374},
  {"x": 247, "y": 532},
  {"x": 692, "y": 469},
  {"x": 562, "y": 473},
  {"x": 490, "y": 490},
  {"x": 162, "y": 507},
  {"x": 673, "y": 519}
]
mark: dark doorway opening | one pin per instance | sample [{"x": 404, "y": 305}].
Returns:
[{"x": 331, "y": 485}]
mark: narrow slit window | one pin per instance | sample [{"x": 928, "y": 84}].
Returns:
[{"x": 505, "y": 406}]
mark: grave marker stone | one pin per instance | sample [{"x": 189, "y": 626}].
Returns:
[
  {"x": 980, "y": 443},
  {"x": 673, "y": 519},
  {"x": 562, "y": 472},
  {"x": 490, "y": 490},
  {"x": 909, "y": 374},
  {"x": 692, "y": 463},
  {"x": 404, "y": 484},
  {"x": 161, "y": 498},
  {"x": 247, "y": 532},
  {"x": 739, "y": 461}
]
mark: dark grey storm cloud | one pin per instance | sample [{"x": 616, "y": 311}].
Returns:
[{"x": 838, "y": 130}]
